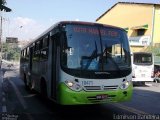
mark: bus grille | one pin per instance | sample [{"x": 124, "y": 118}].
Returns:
[
  {"x": 92, "y": 87},
  {"x": 110, "y": 87},
  {"x": 100, "y": 88}
]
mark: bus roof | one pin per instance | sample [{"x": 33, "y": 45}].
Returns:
[{"x": 69, "y": 22}]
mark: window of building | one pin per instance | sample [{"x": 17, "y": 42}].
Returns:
[{"x": 141, "y": 32}]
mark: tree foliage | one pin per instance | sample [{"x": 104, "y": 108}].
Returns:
[
  {"x": 2, "y": 2},
  {"x": 3, "y": 7},
  {"x": 10, "y": 51},
  {"x": 154, "y": 49}
]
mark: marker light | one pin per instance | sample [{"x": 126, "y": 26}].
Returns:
[
  {"x": 73, "y": 85},
  {"x": 125, "y": 85},
  {"x": 70, "y": 84}
]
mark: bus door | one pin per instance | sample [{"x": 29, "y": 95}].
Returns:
[
  {"x": 30, "y": 59},
  {"x": 54, "y": 67}
]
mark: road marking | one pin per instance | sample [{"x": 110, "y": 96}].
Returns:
[
  {"x": 19, "y": 96},
  {"x": 130, "y": 109}
]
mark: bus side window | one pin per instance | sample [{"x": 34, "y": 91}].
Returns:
[
  {"x": 44, "y": 54},
  {"x": 27, "y": 54},
  {"x": 45, "y": 42},
  {"x": 36, "y": 53},
  {"x": 44, "y": 50}
]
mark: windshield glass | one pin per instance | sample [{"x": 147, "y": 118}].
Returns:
[
  {"x": 142, "y": 59},
  {"x": 94, "y": 48}
]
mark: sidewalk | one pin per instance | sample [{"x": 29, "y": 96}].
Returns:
[
  {"x": 5, "y": 89},
  {"x": 2, "y": 93}
]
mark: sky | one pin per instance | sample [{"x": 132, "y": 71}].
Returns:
[{"x": 29, "y": 18}]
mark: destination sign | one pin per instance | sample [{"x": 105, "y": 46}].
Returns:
[{"x": 95, "y": 31}]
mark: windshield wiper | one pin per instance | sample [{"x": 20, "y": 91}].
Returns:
[
  {"x": 91, "y": 57},
  {"x": 108, "y": 56}
]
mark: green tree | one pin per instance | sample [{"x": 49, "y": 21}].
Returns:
[
  {"x": 2, "y": 7},
  {"x": 11, "y": 51},
  {"x": 153, "y": 49},
  {"x": 2, "y": 2}
]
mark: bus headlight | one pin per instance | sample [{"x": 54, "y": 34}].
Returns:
[
  {"x": 125, "y": 85},
  {"x": 73, "y": 85}
]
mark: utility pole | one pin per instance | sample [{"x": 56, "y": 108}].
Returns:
[
  {"x": 1, "y": 33},
  {"x": 5, "y": 9}
]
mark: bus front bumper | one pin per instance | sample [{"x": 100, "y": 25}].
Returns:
[{"x": 66, "y": 96}]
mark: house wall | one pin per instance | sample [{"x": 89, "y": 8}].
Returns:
[
  {"x": 128, "y": 15},
  {"x": 156, "y": 36}
]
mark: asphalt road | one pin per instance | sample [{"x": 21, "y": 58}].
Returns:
[{"x": 18, "y": 104}]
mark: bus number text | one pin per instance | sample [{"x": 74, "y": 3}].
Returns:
[{"x": 87, "y": 83}]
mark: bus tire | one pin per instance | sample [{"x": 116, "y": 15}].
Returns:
[{"x": 43, "y": 89}]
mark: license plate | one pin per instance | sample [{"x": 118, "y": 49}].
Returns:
[{"x": 101, "y": 97}]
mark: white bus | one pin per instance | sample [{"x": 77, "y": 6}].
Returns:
[
  {"x": 69, "y": 64},
  {"x": 142, "y": 67}
]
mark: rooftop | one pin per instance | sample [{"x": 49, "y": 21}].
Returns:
[
  {"x": 141, "y": 1},
  {"x": 146, "y": 2}
]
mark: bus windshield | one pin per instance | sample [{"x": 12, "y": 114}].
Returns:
[
  {"x": 142, "y": 58},
  {"x": 94, "y": 48}
]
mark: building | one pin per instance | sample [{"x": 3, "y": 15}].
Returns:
[
  {"x": 23, "y": 43},
  {"x": 140, "y": 20}
]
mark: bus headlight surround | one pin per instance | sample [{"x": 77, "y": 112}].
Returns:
[
  {"x": 73, "y": 85},
  {"x": 125, "y": 85}
]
